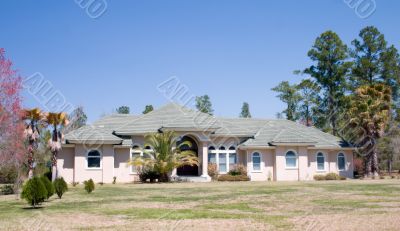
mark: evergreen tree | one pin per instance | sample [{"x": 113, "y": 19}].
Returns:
[
  {"x": 245, "y": 111},
  {"x": 77, "y": 119},
  {"x": 123, "y": 110},
  {"x": 309, "y": 102},
  {"x": 148, "y": 108},
  {"x": 203, "y": 104},
  {"x": 329, "y": 71},
  {"x": 290, "y": 96}
]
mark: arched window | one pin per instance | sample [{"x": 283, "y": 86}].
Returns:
[
  {"x": 94, "y": 159},
  {"x": 135, "y": 153},
  {"x": 291, "y": 159},
  {"x": 341, "y": 159},
  {"x": 256, "y": 158},
  {"x": 222, "y": 160},
  {"x": 232, "y": 158},
  {"x": 212, "y": 155},
  {"x": 320, "y": 161}
]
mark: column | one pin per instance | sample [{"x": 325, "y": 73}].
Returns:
[{"x": 204, "y": 163}]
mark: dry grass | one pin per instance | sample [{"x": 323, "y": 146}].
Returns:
[{"x": 350, "y": 205}]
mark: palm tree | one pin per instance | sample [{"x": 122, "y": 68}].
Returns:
[
  {"x": 57, "y": 120},
  {"x": 370, "y": 114},
  {"x": 32, "y": 134},
  {"x": 165, "y": 156}
]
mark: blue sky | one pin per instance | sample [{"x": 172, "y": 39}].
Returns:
[{"x": 232, "y": 50}]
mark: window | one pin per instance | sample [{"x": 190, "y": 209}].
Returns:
[
  {"x": 94, "y": 159},
  {"x": 212, "y": 156},
  {"x": 136, "y": 152},
  {"x": 223, "y": 158},
  {"x": 341, "y": 162},
  {"x": 232, "y": 158},
  {"x": 291, "y": 159},
  {"x": 256, "y": 161},
  {"x": 320, "y": 162},
  {"x": 222, "y": 162}
]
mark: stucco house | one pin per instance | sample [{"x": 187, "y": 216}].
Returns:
[{"x": 277, "y": 150}]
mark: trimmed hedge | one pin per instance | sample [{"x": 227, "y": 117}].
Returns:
[
  {"x": 60, "y": 187},
  {"x": 329, "y": 176},
  {"x": 89, "y": 186},
  {"x": 233, "y": 178},
  {"x": 49, "y": 186},
  {"x": 34, "y": 191}
]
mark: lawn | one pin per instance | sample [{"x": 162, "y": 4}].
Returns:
[{"x": 357, "y": 205}]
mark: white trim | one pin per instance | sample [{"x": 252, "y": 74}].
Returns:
[
  {"x": 337, "y": 162},
  {"x": 252, "y": 162},
  {"x": 218, "y": 151},
  {"x": 140, "y": 151},
  {"x": 297, "y": 160},
  {"x": 101, "y": 159},
  {"x": 316, "y": 161}
]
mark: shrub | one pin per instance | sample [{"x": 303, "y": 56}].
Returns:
[
  {"x": 49, "y": 186},
  {"x": 114, "y": 180},
  {"x": 213, "y": 171},
  {"x": 146, "y": 174},
  {"x": 89, "y": 186},
  {"x": 382, "y": 177},
  {"x": 74, "y": 184},
  {"x": 233, "y": 178},
  {"x": 8, "y": 174},
  {"x": 6, "y": 189},
  {"x": 60, "y": 186},
  {"x": 239, "y": 170},
  {"x": 319, "y": 177},
  {"x": 393, "y": 177},
  {"x": 101, "y": 183},
  {"x": 34, "y": 191},
  {"x": 332, "y": 176},
  {"x": 343, "y": 178}
]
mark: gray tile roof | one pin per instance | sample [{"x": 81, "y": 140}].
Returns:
[
  {"x": 170, "y": 116},
  {"x": 260, "y": 132}
]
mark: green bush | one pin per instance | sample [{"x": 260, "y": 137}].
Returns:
[
  {"x": 60, "y": 186},
  {"x": 150, "y": 175},
  {"x": 8, "y": 174},
  {"x": 343, "y": 178},
  {"x": 238, "y": 170},
  {"x": 6, "y": 189},
  {"x": 49, "y": 186},
  {"x": 89, "y": 186},
  {"x": 34, "y": 191},
  {"x": 319, "y": 177},
  {"x": 233, "y": 178},
  {"x": 332, "y": 176}
]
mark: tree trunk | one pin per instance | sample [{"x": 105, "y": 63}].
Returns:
[
  {"x": 332, "y": 114},
  {"x": 390, "y": 165},
  {"x": 375, "y": 164},
  {"x": 368, "y": 166},
  {"x": 54, "y": 173}
]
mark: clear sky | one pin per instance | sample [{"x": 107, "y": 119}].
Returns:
[{"x": 232, "y": 50}]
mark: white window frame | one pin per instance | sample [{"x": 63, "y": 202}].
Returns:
[
  {"x": 316, "y": 161},
  {"x": 252, "y": 162},
  {"x": 217, "y": 152},
  {"x": 87, "y": 160},
  {"x": 233, "y": 151},
  {"x": 297, "y": 160},
  {"x": 337, "y": 161},
  {"x": 133, "y": 150}
]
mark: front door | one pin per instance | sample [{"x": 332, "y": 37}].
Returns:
[{"x": 188, "y": 170}]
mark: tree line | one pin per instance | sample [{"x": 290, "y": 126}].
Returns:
[{"x": 351, "y": 92}]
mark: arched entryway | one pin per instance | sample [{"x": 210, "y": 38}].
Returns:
[{"x": 188, "y": 170}]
